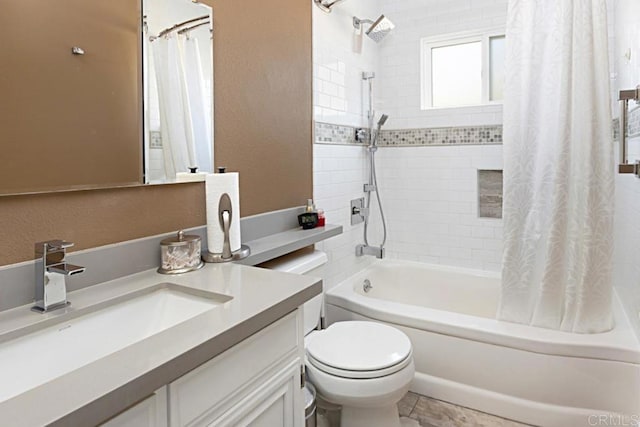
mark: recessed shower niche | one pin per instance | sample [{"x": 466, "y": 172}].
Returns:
[{"x": 489, "y": 193}]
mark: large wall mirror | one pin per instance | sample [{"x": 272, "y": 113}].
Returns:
[{"x": 75, "y": 111}]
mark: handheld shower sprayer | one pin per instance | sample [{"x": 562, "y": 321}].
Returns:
[{"x": 381, "y": 122}]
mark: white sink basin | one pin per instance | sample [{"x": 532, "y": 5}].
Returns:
[{"x": 95, "y": 332}]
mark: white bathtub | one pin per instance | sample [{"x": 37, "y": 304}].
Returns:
[{"x": 464, "y": 356}]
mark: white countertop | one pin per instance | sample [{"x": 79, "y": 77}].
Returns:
[{"x": 93, "y": 392}]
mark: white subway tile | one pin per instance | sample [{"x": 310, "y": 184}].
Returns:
[{"x": 429, "y": 193}]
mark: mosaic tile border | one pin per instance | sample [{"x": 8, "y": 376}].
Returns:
[
  {"x": 155, "y": 139},
  {"x": 633, "y": 125},
  {"x": 327, "y": 133},
  {"x": 634, "y": 122},
  {"x": 461, "y": 135}
]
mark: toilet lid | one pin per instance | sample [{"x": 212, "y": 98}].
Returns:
[{"x": 358, "y": 346}]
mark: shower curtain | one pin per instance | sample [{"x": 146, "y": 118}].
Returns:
[
  {"x": 559, "y": 167},
  {"x": 195, "y": 87},
  {"x": 186, "y": 140}
]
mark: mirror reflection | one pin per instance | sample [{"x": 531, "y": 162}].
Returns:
[{"x": 178, "y": 85}]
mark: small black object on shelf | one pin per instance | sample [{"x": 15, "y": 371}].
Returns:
[{"x": 308, "y": 220}]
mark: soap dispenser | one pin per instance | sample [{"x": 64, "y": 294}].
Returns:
[{"x": 311, "y": 207}]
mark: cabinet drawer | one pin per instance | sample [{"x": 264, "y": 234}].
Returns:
[{"x": 209, "y": 390}]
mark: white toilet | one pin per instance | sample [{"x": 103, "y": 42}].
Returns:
[{"x": 364, "y": 367}]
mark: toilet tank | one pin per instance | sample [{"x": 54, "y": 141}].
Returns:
[{"x": 309, "y": 263}]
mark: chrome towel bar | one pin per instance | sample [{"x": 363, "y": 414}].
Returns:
[{"x": 625, "y": 97}]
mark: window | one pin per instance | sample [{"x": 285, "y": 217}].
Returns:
[
  {"x": 462, "y": 70},
  {"x": 496, "y": 68}
]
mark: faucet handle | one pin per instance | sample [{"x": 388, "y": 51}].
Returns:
[
  {"x": 54, "y": 245},
  {"x": 59, "y": 244},
  {"x": 52, "y": 250}
]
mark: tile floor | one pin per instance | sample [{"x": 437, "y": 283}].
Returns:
[
  {"x": 424, "y": 411},
  {"x": 421, "y": 411}
]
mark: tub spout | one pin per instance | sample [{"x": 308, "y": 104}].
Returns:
[{"x": 376, "y": 251}]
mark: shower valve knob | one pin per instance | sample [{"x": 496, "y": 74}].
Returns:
[
  {"x": 363, "y": 212},
  {"x": 362, "y": 134},
  {"x": 358, "y": 211}
]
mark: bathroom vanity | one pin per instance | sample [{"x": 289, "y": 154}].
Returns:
[
  {"x": 235, "y": 356},
  {"x": 234, "y": 388}
]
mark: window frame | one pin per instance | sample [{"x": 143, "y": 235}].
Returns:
[{"x": 483, "y": 36}]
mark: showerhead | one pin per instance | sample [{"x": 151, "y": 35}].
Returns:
[
  {"x": 379, "y": 28},
  {"x": 326, "y": 5},
  {"x": 382, "y": 121}
]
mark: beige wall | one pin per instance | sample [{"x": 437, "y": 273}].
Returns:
[
  {"x": 263, "y": 105},
  {"x": 74, "y": 117},
  {"x": 263, "y": 129}
]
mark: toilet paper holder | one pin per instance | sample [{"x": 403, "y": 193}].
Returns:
[{"x": 225, "y": 210}]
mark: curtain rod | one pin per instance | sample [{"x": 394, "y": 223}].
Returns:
[
  {"x": 181, "y": 24},
  {"x": 193, "y": 27}
]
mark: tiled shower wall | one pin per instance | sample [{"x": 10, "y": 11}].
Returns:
[
  {"x": 627, "y": 229},
  {"x": 627, "y": 246},
  {"x": 429, "y": 193},
  {"x": 399, "y": 63},
  {"x": 430, "y": 198},
  {"x": 339, "y": 172},
  {"x": 340, "y": 56},
  {"x": 340, "y": 97}
]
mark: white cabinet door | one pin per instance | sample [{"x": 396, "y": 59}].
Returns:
[
  {"x": 274, "y": 403},
  {"x": 151, "y": 412},
  {"x": 205, "y": 394}
]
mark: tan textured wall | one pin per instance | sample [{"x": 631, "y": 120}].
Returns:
[
  {"x": 69, "y": 119},
  {"x": 97, "y": 217},
  {"x": 263, "y": 105},
  {"x": 263, "y": 124}
]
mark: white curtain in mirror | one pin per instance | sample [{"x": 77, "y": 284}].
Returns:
[
  {"x": 559, "y": 167},
  {"x": 196, "y": 90},
  {"x": 185, "y": 130}
]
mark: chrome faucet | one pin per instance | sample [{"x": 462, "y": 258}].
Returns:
[
  {"x": 376, "y": 251},
  {"x": 51, "y": 273}
]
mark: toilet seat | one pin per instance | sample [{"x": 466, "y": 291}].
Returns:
[
  {"x": 359, "y": 350},
  {"x": 359, "y": 374}
]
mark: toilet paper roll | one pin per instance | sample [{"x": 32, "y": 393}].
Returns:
[
  {"x": 191, "y": 177},
  {"x": 216, "y": 185}
]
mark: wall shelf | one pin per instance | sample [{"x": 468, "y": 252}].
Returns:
[{"x": 284, "y": 242}]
